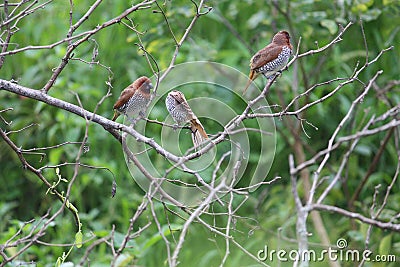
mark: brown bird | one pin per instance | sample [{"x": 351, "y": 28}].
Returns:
[
  {"x": 133, "y": 99},
  {"x": 181, "y": 112},
  {"x": 271, "y": 59}
]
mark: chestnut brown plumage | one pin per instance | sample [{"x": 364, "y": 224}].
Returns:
[
  {"x": 134, "y": 98},
  {"x": 181, "y": 112},
  {"x": 271, "y": 58}
]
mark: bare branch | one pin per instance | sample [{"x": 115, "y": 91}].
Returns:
[{"x": 353, "y": 215}]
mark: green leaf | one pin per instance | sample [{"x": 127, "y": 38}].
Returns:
[
  {"x": 364, "y": 150},
  {"x": 371, "y": 14},
  {"x": 124, "y": 260},
  {"x": 355, "y": 235},
  {"x": 385, "y": 245},
  {"x": 330, "y": 25},
  {"x": 78, "y": 239},
  {"x": 388, "y": 2},
  {"x": 58, "y": 262},
  {"x": 55, "y": 155},
  {"x": 256, "y": 19},
  {"x": 360, "y": 8}
]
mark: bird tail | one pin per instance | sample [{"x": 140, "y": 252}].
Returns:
[
  {"x": 199, "y": 135},
  {"x": 252, "y": 76},
  {"x": 116, "y": 115}
]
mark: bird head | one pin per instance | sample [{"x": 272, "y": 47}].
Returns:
[
  {"x": 177, "y": 96},
  {"x": 143, "y": 84},
  {"x": 281, "y": 38}
]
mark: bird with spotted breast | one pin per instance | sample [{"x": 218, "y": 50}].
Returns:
[
  {"x": 133, "y": 99},
  {"x": 181, "y": 112},
  {"x": 271, "y": 59}
]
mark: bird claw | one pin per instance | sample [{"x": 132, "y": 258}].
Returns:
[
  {"x": 285, "y": 68},
  {"x": 175, "y": 126}
]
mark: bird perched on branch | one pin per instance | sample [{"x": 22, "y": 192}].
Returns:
[
  {"x": 133, "y": 99},
  {"x": 271, "y": 59},
  {"x": 181, "y": 112}
]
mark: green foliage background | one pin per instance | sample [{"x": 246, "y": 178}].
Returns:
[{"x": 268, "y": 216}]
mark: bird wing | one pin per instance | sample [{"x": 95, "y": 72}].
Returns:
[
  {"x": 265, "y": 55},
  {"x": 127, "y": 93},
  {"x": 180, "y": 98}
]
